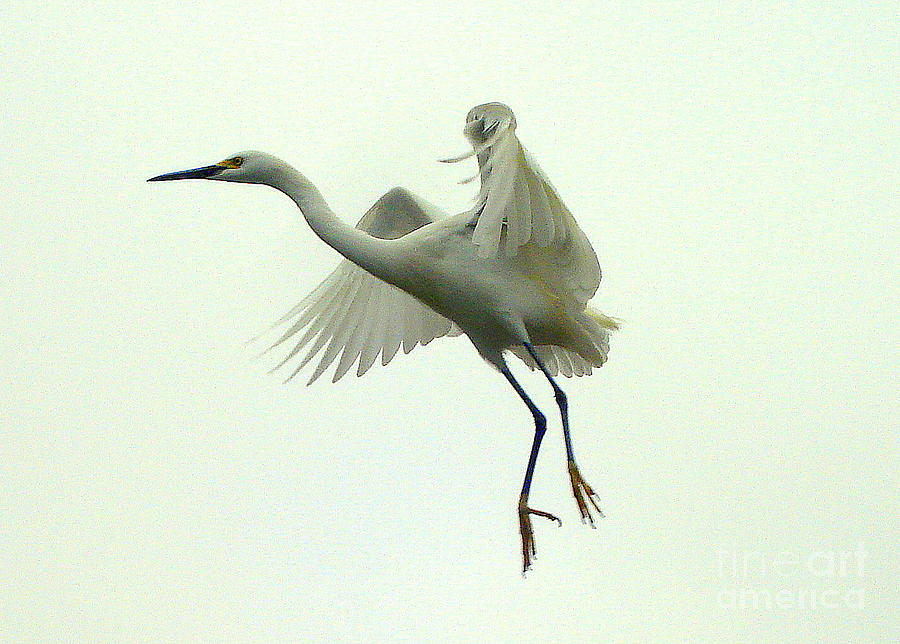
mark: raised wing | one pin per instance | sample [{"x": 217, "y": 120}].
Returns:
[
  {"x": 519, "y": 212},
  {"x": 356, "y": 315}
]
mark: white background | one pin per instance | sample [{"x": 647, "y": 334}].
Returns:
[{"x": 734, "y": 165}]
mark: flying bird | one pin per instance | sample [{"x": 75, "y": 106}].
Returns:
[{"x": 514, "y": 274}]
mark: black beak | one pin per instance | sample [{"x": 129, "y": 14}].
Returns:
[{"x": 196, "y": 173}]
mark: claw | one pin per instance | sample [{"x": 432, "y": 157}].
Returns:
[
  {"x": 528, "y": 549},
  {"x": 583, "y": 494}
]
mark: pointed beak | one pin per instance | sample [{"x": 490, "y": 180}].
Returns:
[{"x": 197, "y": 173}]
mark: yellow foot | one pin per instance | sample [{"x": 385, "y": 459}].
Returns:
[
  {"x": 584, "y": 494},
  {"x": 525, "y": 529}
]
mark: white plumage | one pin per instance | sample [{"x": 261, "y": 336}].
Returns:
[
  {"x": 514, "y": 274},
  {"x": 359, "y": 315},
  {"x": 517, "y": 213}
]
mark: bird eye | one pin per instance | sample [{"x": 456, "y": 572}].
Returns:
[{"x": 237, "y": 161}]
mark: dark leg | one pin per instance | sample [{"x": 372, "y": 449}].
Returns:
[
  {"x": 580, "y": 489},
  {"x": 540, "y": 427}
]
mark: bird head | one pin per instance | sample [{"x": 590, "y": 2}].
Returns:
[
  {"x": 485, "y": 125},
  {"x": 249, "y": 166},
  {"x": 484, "y": 120}
]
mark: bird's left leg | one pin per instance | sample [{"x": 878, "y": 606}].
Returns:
[
  {"x": 540, "y": 427},
  {"x": 583, "y": 492}
]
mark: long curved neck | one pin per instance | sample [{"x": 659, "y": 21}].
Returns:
[{"x": 370, "y": 253}]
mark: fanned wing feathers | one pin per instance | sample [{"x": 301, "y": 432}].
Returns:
[
  {"x": 518, "y": 211},
  {"x": 559, "y": 360},
  {"x": 556, "y": 359},
  {"x": 356, "y": 315}
]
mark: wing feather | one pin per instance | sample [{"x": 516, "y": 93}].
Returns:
[
  {"x": 355, "y": 315},
  {"x": 374, "y": 340},
  {"x": 518, "y": 213},
  {"x": 395, "y": 330},
  {"x": 353, "y": 345},
  {"x": 317, "y": 323},
  {"x": 330, "y": 321}
]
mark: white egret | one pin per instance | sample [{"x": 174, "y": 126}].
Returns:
[{"x": 514, "y": 274}]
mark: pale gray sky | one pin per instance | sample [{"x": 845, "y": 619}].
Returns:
[{"x": 734, "y": 165}]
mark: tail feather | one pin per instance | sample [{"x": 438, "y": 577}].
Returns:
[
  {"x": 605, "y": 321},
  {"x": 593, "y": 347}
]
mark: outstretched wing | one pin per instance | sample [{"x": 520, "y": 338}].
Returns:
[
  {"x": 519, "y": 212},
  {"x": 357, "y": 315}
]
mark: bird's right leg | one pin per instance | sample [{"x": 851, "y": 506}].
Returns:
[
  {"x": 583, "y": 492},
  {"x": 540, "y": 428}
]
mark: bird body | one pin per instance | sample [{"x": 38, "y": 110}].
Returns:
[
  {"x": 498, "y": 302},
  {"x": 514, "y": 273}
]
